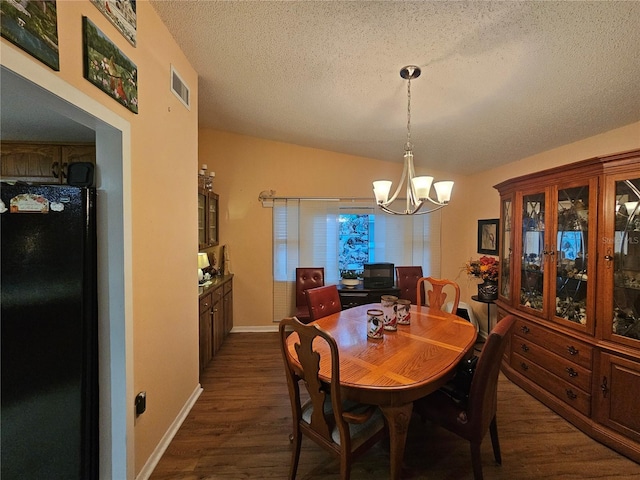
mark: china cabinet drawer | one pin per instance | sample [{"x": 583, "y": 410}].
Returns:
[
  {"x": 205, "y": 303},
  {"x": 565, "y": 391},
  {"x": 566, "y": 347},
  {"x": 567, "y": 370}
]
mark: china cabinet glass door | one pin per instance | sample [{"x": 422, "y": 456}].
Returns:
[
  {"x": 202, "y": 232},
  {"x": 532, "y": 253},
  {"x": 574, "y": 213},
  {"x": 212, "y": 220},
  {"x": 622, "y": 262},
  {"x": 505, "y": 249}
]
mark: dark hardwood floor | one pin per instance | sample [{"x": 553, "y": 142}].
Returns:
[{"x": 240, "y": 425}]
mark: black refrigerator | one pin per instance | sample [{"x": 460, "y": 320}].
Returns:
[{"x": 49, "y": 393}]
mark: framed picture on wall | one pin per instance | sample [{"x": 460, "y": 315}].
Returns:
[
  {"x": 488, "y": 236},
  {"x": 122, "y": 13},
  {"x": 33, "y": 26},
  {"x": 108, "y": 68}
]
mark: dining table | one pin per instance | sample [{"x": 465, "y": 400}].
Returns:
[{"x": 394, "y": 371}]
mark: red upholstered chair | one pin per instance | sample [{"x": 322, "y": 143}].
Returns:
[
  {"x": 407, "y": 281},
  {"x": 306, "y": 278},
  {"x": 437, "y": 296},
  {"x": 323, "y": 301},
  {"x": 472, "y": 420},
  {"x": 344, "y": 428}
]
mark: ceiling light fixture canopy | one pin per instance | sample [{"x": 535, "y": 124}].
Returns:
[{"x": 418, "y": 189}]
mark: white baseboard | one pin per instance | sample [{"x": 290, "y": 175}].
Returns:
[
  {"x": 255, "y": 329},
  {"x": 155, "y": 457}
]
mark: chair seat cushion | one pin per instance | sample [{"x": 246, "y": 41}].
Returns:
[{"x": 360, "y": 432}]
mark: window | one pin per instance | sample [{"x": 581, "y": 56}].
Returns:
[
  {"x": 331, "y": 233},
  {"x": 354, "y": 244}
]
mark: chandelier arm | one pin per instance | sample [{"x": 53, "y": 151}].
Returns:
[
  {"x": 395, "y": 194},
  {"x": 417, "y": 211}
]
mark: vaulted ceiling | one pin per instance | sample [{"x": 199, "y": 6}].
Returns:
[{"x": 500, "y": 80}]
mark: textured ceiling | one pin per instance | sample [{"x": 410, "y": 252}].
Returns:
[{"x": 500, "y": 80}]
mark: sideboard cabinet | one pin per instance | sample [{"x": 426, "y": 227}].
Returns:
[
  {"x": 216, "y": 317},
  {"x": 570, "y": 272}
]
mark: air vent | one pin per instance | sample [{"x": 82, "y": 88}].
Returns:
[{"x": 179, "y": 88}]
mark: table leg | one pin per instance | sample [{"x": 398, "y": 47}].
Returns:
[{"x": 398, "y": 421}]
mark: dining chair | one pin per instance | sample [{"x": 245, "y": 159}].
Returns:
[
  {"x": 472, "y": 419},
  {"x": 344, "y": 428},
  {"x": 407, "y": 281},
  {"x": 322, "y": 301},
  {"x": 437, "y": 296},
  {"x": 306, "y": 277}
]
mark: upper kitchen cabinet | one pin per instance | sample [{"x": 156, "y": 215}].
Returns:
[
  {"x": 208, "y": 233},
  {"x": 45, "y": 163}
]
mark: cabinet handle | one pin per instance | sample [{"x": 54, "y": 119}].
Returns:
[
  {"x": 604, "y": 388},
  {"x": 524, "y": 329},
  {"x": 54, "y": 170},
  {"x": 63, "y": 170},
  {"x": 608, "y": 258},
  {"x": 571, "y": 395},
  {"x": 524, "y": 366},
  {"x": 206, "y": 304},
  {"x": 572, "y": 373},
  {"x": 572, "y": 350},
  {"x": 524, "y": 347}
]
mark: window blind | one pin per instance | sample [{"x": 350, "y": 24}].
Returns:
[{"x": 305, "y": 234}]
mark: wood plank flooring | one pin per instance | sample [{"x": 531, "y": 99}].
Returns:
[{"x": 240, "y": 425}]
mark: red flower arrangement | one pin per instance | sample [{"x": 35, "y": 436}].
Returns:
[{"x": 485, "y": 268}]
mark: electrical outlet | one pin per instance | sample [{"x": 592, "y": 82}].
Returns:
[{"x": 141, "y": 403}]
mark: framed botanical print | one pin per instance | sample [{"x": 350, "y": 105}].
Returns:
[{"x": 122, "y": 13}]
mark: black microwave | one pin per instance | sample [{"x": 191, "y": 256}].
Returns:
[{"x": 378, "y": 275}]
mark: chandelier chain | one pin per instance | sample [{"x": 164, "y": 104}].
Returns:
[{"x": 408, "y": 146}]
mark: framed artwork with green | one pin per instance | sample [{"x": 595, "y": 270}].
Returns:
[
  {"x": 32, "y": 26},
  {"x": 108, "y": 68}
]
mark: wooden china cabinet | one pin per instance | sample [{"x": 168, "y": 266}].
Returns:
[{"x": 570, "y": 273}]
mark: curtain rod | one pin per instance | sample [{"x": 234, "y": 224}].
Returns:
[{"x": 270, "y": 195}]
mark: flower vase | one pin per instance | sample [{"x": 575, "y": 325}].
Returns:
[{"x": 488, "y": 290}]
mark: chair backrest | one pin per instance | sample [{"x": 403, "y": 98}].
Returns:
[
  {"x": 407, "y": 281},
  {"x": 323, "y": 301},
  {"x": 310, "y": 277},
  {"x": 322, "y": 423},
  {"x": 437, "y": 296},
  {"x": 483, "y": 394}
]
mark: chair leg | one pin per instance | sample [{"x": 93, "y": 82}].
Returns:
[
  {"x": 495, "y": 442},
  {"x": 476, "y": 461},
  {"x": 296, "y": 439},
  {"x": 345, "y": 466}
]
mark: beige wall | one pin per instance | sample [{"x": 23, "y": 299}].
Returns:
[
  {"x": 163, "y": 209},
  {"x": 245, "y": 166}
]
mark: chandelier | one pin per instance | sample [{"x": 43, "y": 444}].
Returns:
[{"x": 418, "y": 189}]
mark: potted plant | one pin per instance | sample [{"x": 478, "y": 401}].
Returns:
[
  {"x": 486, "y": 269},
  {"x": 349, "y": 278}
]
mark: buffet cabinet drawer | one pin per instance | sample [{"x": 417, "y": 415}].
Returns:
[
  {"x": 565, "y": 391},
  {"x": 563, "y": 368},
  {"x": 205, "y": 303},
  {"x": 568, "y": 348}
]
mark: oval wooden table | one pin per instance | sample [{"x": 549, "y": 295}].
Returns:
[{"x": 405, "y": 365}]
